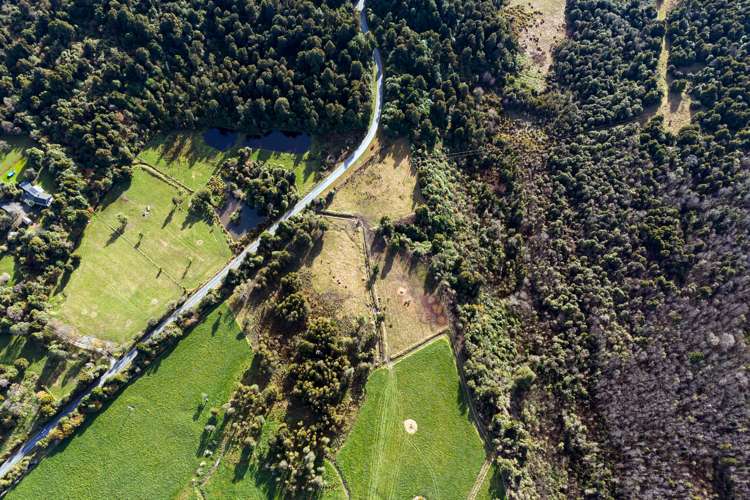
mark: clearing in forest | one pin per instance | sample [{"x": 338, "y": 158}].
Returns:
[
  {"x": 338, "y": 271},
  {"x": 8, "y": 266},
  {"x": 188, "y": 159},
  {"x": 382, "y": 459},
  {"x": 13, "y": 159},
  {"x": 185, "y": 157},
  {"x": 540, "y": 25},
  {"x": 675, "y": 105},
  {"x": 127, "y": 278},
  {"x": 384, "y": 185},
  {"x": 149, "y": 441},
  {"x": 412, "y": 314}
]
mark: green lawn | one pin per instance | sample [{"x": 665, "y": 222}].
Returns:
[
  {"x": 236, "y": 479},
  {"x": 8, "y": 265},
  {"x": 14, "y": 160},
  {"x": 147, "y": 443},
  {"x": 441, "y": 459},
  {"x": 185, "y": 157},
  {"x": 117, "y": 288}
]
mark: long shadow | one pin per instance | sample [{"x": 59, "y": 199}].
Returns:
[
  {"x": 73, "y": 372},
  {"x": 51, "y": 370},
  {"x": 169, "y": 217},
  {"x": 113, "y": 237},
  {"x": 216, "y": 324},
  {"x": 463, "y": 404},
  {"x": 199, "y": 411},
  {"x": 242, "y": 465},
  {"x": 64, "y": 279},
  {"x": 390, "y": 256},
  {"x": 114, "y": 193}
]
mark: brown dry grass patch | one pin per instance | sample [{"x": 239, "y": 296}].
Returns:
[
  {"x": 412, "y": 313},
  {"x": 385, "y": 184},
  {"x": 338, "y": 272},
  {"x": 540, "y": 26}
]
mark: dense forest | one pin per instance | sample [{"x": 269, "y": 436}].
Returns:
[{"x": 599, "y": 265}]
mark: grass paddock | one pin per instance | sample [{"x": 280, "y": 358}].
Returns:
[
  {"x": 380, "y": 459},
  {"x": 125, "y": 279},
  {"x": 148, "y": 442}
]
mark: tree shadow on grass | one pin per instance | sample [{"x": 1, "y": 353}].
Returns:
[
  {"x": 463, "y": 404},
  {"x": 114, "y": 193},
  {"x": 169, "y": 217},
  {"x": 73, "y": 371},
  {"x": 52, "y": 369},
  {"x": 113, "y": 237}
]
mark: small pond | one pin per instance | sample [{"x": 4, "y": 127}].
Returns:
[
  {"x": 220, "y": 138},
  {"x": 249, "y": 217},
  {"x": 277, "y": 141},
  {"x": 282, "y": 142}
]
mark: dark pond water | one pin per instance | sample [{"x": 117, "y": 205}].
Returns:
[
  {"x": 278, "y": 141},
  {"x": 282, "y": 142},
  {"x": 249, "y": 217},
  {"x": 221, "y": 139}
]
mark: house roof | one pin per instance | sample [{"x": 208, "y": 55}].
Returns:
[
  {"x": 35, "y": 191},
  {"x": 15, "y": 208}
]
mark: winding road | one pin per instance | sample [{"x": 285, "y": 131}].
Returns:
[{"x": 123, "y": 362}]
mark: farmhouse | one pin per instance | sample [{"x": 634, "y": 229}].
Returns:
[
  {"x": 35, "y": 195},
  {"x": 16, "y": 212}
]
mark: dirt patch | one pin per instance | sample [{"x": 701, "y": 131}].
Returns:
[
  {"x": 675, "y": 106},
  {"x": 412, "y": 312},
  {"x": 338, "y": 270}
]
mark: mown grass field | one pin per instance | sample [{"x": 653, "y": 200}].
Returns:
[
  {"x": 147, "y": 443},
  {"x": 379, "y": 459},
  {"x": 125, "y": 280},
  {"x": 14, "y": 160},
  {"x": 8, "y": 265},
  {"x": 385, "y": 185},
  {"x": 187, "y": 158},
  {"x": 184, "y": 156},
  {"x": 238, "y": 479},
  {"x": 412, "y": 313}
]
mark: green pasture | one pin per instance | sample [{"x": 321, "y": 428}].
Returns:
[
  {"x": 127, "y": 278},
  {"x": 13, "y": 160},
  {"x": 379, "y": 459},
  {"x": 148, "y": 443}
]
